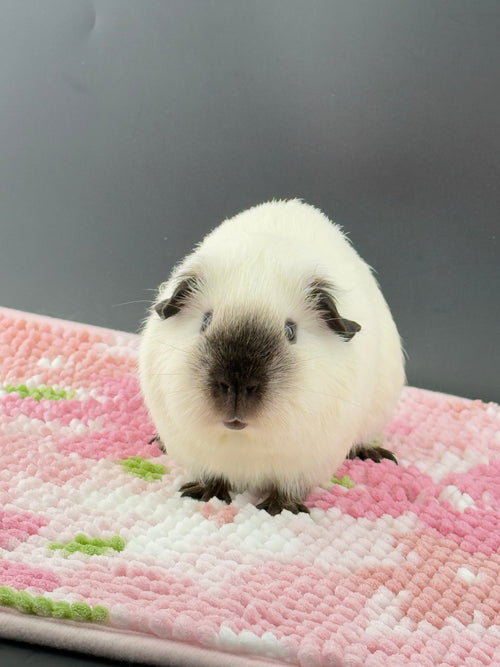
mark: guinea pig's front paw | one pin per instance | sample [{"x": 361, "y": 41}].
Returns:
[
  {"x": 161, "y": 446},
  {"x": 215, "y": 486},
  {"x": 277, "y": 501},
  {"x": 372, "y": 452}
]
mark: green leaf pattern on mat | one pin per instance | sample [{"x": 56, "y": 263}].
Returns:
[
  {"x": 343, "y": 481},
  {"x": 43, "y": 606},
  {"x": 143, "y": 468},
  {"x": 43, "y": 391},
  {"x": 91, "y": 546}
]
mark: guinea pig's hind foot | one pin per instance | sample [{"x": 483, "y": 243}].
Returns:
[
  {"x": 277, "y": 501},
  {"x": 214, "y": 486},
  {"x": 373, "y": 452}
]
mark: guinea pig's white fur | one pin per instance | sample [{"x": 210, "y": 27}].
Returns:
[{"x": 337, "y": 393}]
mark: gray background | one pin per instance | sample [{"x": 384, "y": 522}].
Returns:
[{"x": 128, "y": 128}]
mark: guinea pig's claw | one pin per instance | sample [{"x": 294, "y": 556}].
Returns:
[
  {"x": 376, "y": 454},
  {"x": 157, "y": 439},
  {"x": 217, "y": 487},
  {"x": 276, "y": 502}
]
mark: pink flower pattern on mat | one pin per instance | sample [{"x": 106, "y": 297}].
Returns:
[
  {"x": 16, "y": 527},
  {"x": 399, "y": 567},
  {"x": 21, "y": 575}
]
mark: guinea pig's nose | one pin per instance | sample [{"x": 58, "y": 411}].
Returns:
[
  {"x": 228, "y": 389},
  {"x": 235, "y": 396}
]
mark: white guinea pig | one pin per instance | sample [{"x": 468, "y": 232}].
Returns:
[{"x": 269, "y": 356}]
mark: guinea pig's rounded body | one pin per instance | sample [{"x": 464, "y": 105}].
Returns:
[{"x": 270, "y": 354}]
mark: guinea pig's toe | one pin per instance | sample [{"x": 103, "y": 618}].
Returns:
[
  {"x": 376, "y": 454},
  {"x": 386, "y": 454},
  {"x": 296, "y": 507},
  {"x": 215, "y": 487},
  {"x": 156, "y": 438},
  {"x": 276, "y": 502},
  {"x": 192, "y": 490},
  {"x": 218, "y": 487}
]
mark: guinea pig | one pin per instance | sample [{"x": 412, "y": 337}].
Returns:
[{"x": 269, "y": 356}]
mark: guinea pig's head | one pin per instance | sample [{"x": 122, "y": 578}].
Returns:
[{"x": 241, "y": 346}]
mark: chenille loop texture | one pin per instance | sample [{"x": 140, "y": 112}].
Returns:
[{"x": 395, "y": 565}]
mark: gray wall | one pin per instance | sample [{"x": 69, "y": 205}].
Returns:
[{"x": 128, "y": 128}]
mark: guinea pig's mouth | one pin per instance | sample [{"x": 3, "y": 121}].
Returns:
[{"x": 235, "y": 424}]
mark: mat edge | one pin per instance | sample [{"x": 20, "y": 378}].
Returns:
[
  {"x": 118, "y": 645},
  {"x": 71, "y": 324}
]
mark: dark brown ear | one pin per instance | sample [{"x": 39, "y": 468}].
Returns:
[
  {"x": 182, "y": 293},
  {"x": 323, "y": 302}
]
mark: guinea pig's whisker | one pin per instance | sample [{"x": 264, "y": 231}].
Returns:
[
  {"x": 175, "y": 375},
  {"x": 333, "y": 397},
  {"x": 177, "y": 392},
  {"x": 163, "y": 343},
  {"x": 128, "y": 303}
]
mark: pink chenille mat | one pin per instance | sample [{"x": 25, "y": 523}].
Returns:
[{"x": 395, "y": 565}]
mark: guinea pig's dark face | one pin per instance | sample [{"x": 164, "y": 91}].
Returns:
[
  {"x": 244, "y": 358},
  {"x": 242, "y": 364}
]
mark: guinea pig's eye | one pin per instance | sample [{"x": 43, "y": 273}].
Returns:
[
  {"x": 207, "y": 318},
  {"x": 291, "y": 331}
]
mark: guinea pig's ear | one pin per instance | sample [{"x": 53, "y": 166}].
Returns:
[
  {"x": 320, "y": 296},
  {"x": 182, "y": 293}
]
